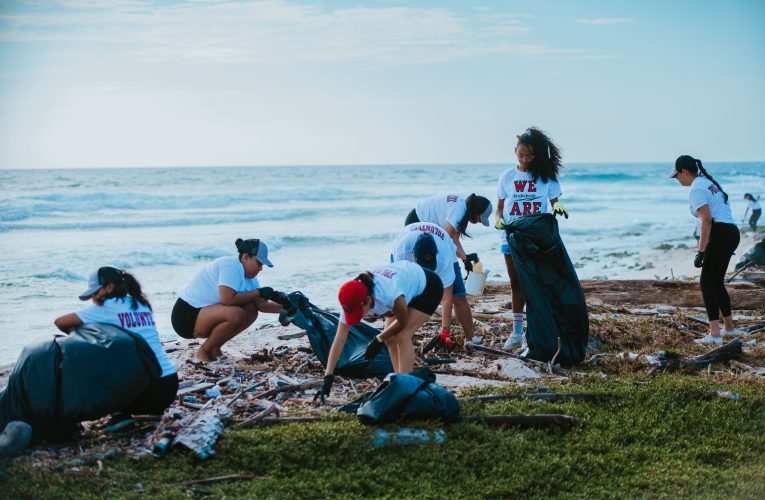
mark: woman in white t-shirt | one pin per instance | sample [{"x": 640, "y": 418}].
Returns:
[
  {"x": 526, "y": 190},
  {"x": 405, "y": 293},
  {"x": 118, "y": 300},
  {"x": 224, "y": 298},
  {"x": 753, "y": 202},
  {"x": 718, "y": 239}
]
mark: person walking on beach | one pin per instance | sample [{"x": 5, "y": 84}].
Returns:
[
  {"x": 118, "y": 300},
  {"x": 454, "y": 213},
  {"x": 753, "y": 202},
  {"x": 430, "y": 246},
  {"x": 404, "y": 292},
  {"x": 719, "y": 238},
  {"x": 224, "y": 298},
  {"x": 525, "y": 190}
]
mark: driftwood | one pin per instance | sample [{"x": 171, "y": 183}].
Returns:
[
  {"x": 202, "y": 431},
  {"x": 288, "y": 388},
  {"x": 497, "y": 352},
  {"x": 726, "y": 352},
  {"x": 546, "y": 396},
  {"x": 195, "y": 388},
  {"x": 553, "y": 420},
  {"x": 256, "y": 418}
]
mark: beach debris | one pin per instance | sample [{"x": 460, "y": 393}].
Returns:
[
  {"x": 407, "y": 436},
  {"x": 200, "y": 432},
  {"x": 728, "y": 395}
]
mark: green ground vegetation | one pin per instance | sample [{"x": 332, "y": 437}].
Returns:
[{"x": 659, "y": 436}]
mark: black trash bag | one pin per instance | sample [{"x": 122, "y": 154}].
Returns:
[
  {"x": 555, "y": 304},
  {"x": 321, "y": 325},
  {"x": 409, "y": 396},
  {"x": 96, "y": 370},
  {"x": 755, "y": 255}
]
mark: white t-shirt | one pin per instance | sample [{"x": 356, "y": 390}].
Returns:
[
  {"x": 202, "y": 290},
  {"x": 119, "y": 312},
  {"x": 755, "y": 203},
  {"x": 524, "y": 195},
  {"x": 391, "y": 282},
  {"x": 704, "y": 192},
  {"x": 403, "y": 249},
  {"x": 442, "y": 209}
]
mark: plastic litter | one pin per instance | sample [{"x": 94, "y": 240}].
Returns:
[
  {"x": 729, "y": 395},
  {"x": 213, "y": 392},
  {"x": 407, "y": 436}
]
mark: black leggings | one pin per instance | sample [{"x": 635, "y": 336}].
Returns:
[
  {"x": 723, "y": 240},
  {"x": 753, "y": 219}
]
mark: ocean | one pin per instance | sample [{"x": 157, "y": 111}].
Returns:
[{"x": 323, "y": 225}]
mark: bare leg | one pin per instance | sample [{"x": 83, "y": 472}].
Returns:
[
  {"x": 515, "y": 286},
  {"x": 464, "y": 316},
  {"x": 728, "y": 320},
  {"x": 714, "y": 327},
  {"x": 218, "y": 324},
  {"x": 390, "y": 343},
  {"x": 406, "y": 354}
]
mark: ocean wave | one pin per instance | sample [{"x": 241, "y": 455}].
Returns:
[{"x": 60, "y": 273}]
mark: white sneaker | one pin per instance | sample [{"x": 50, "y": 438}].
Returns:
[
  {"x": 709, "y": 339},
  {"x": 513, "y": 340},
  {"x": 732, "y": 333}
]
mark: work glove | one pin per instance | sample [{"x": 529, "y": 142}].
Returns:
[
  {"x": 559, "y": 209},
  {"x": 446, "y": 338},
  {"x": 280, "y": 298},
  {"x": 373, "y": 349},
  {"x": 472, "y": 257},
  {"x": 266, "y": 292},
  {"x": 468, "y": 265},
  {"x": 500, "y": 224},
  {"x": 326, "y": 386},
  {"x": 698, "y": 261}
]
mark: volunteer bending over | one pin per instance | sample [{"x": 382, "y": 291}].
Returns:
[
  {"x": 224, "y": 298},
  {"x": 403, "y": 292},
  {"x": 430, "y": 246},
  {"x": 525, "y": 190},
  {"x": 118, "y": 300}
]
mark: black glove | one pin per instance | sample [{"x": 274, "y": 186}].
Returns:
[
  {"x": 698, "y": 261},
  {"x": 472, "y": 257},
  {"x": 373, "y": 349},
  {"x": 280, "y": 298},
  {"x": 468, "y": 265},
  {"x": 265, "y": 292},
  {"x": 326, "y": 386}
]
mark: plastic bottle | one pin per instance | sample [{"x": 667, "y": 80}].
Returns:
[
  {"x": 478, "y": 267},
  {"x": 406, "y": 436}
]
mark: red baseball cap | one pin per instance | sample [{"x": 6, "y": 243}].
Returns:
[{"x": 351, "y": 296}]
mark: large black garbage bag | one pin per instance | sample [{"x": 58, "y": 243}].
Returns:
[
  {"x": 555, "y": 304},
  {"x": 96, "y": 370},
  {"x": 755, "y": 255},
  {"x": 321, "y": 325},
  {"x": 408, "y": 396}
]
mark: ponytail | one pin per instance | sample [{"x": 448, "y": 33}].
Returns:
[
  {"x": 129, "y": 286},
  {"x": 368, "y": 282},
  {"x": 469, "y": 209},
  {"x": 703, "y": 172}
]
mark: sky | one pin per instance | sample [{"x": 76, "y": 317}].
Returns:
[{"x": 134, "y": 83}]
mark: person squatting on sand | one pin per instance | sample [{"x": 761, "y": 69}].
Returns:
[
  {"x": 224, "y": 298},
  {"x": 430, "y": 246},
  {"x": 118, "y": 300},
  {"x": 718, "y": 239},
  {"x": 453, "y": 213},
  {"x": 405, "y": 293},
  {"x": 753, "y": 202},
  {"x": 524, "y": 190}
]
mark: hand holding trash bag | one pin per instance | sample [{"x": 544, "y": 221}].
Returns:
[
  {"x": 326, "y": 386},
  {"x": 559, "y": 209},
  {"x": 698, "y": 261},
  {"x": 373, "y": 349},
  {"x": 265, "y": 292},
  {"x": 500, "y": 224}
]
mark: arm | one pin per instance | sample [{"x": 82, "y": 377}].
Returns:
[
  {"x": 337, "y": 347},
  {"x": 267, "y": 306},
  {"x": 706, "y": 227},
  {"x": 500, "y": 208},
  {"x": 553, "y": 201},
  {"x": 401, "y": 315},
  {"x": 455, "y": 236},
  {"x": 67, "y": 322},
  {"x": 230, "y": 297}
]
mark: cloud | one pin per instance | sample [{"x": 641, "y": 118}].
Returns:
[
  {"x": 604, "y": 21},
  {"x": 275, "y": 31}
]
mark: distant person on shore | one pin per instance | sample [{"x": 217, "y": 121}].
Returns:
[
  {"x": 404, "y": 292},
  {"x": 224, "y": 298},
  {"x": 525, "y": 190},
  {"x": 719, "y": 238},
  {"x": 118, "y": 300},
  {"x": 454, "y": 213},
  {"x": 753, "y": 202},
  {"x": 430, "y": 246}
]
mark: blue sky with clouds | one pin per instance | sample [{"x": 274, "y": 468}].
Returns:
[{"x": 86, "y": 83}]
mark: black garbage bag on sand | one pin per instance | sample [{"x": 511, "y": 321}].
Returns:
[
  {"x": 555, "y": 304},
  {"x": 321, "y": 325},
  {"x": 96, "y": 370},
  {"x": 408, "y": 396}
]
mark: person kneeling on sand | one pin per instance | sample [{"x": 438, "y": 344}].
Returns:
[
  {"x": 403, "y": 291},
  {"x": 224, "y": 298}
]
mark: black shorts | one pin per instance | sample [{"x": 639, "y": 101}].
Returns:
[
  {"x": 429, "y": 299},
  {"x": 184, "y": 318},
  {"x": 411, "y": 218},
  {"x": 156, "y": 398}
]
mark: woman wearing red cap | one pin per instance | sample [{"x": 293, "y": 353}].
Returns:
[
  {"x": 224, "y": 298},
  {"x": 405, "y": 293}
]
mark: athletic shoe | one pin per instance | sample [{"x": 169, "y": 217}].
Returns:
[
  {"x": 514, "y": 340},
  {"x": 732, "y": 333},
  {"x": 709, "y": 339}
]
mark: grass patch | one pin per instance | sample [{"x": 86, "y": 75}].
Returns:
[{"x": 658, "y": 436}]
